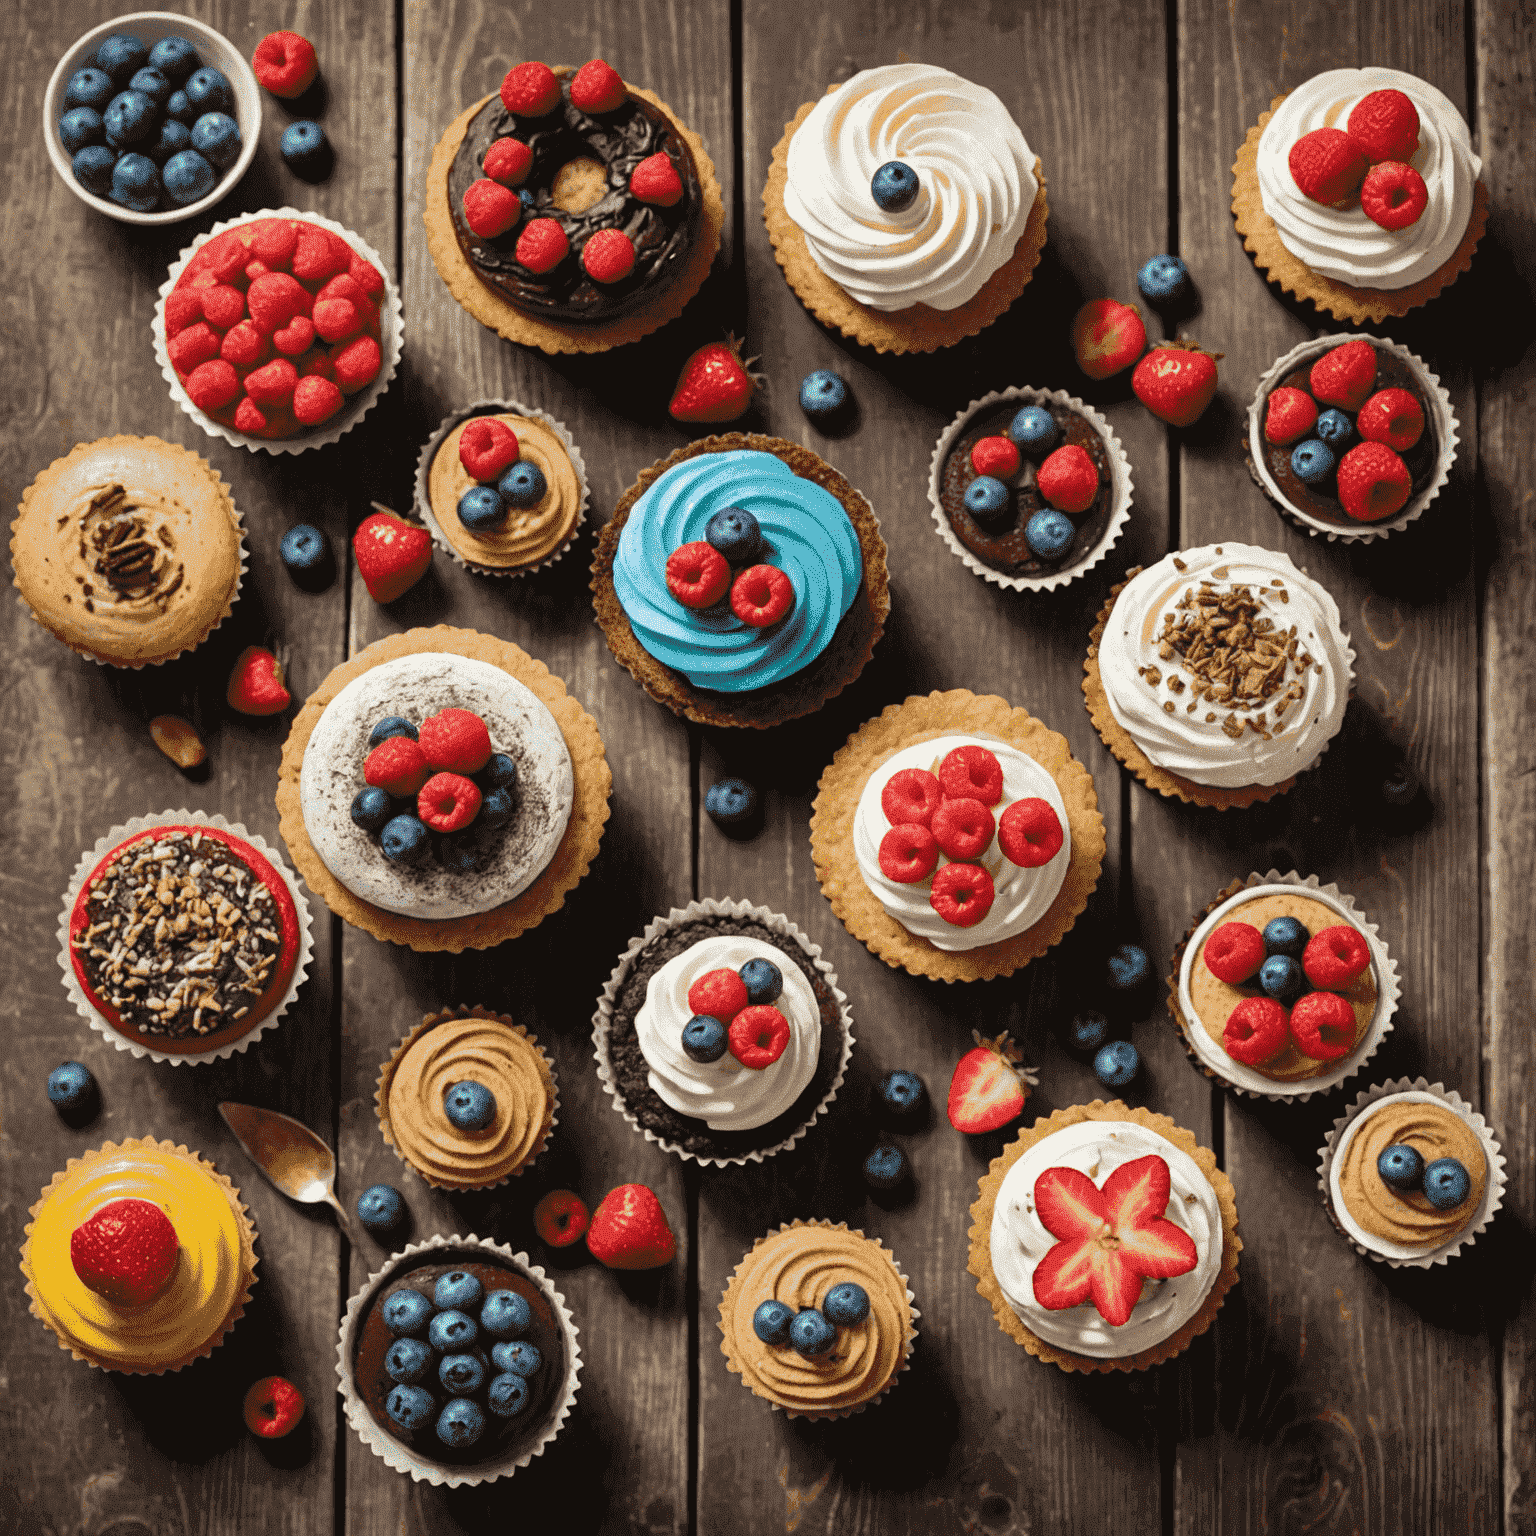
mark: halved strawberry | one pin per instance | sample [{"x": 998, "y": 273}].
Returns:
[{"x": 988, "y": 1088}]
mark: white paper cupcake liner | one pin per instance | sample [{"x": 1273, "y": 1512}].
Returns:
[
  {"x": 1399, "y": 1255},
  {"x": 399, "y": 1455},
  {"x": 429, "y": 452},
  {"x": 1359, "y": 533},
  {"x": 93, "y": 856},
  {"x": 1215, "y": 1063},
  {"x": 602, "y": 1020},
  {"x": 1120, "y": 471},
  {"x": 355, "y": 407}
]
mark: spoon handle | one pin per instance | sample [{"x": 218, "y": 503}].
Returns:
[{"x": 343, "y": 1217}]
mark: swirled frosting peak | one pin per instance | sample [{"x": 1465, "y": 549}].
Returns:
[
  {"x": 806, "y": 533},
  {"x": 976, "y": 186}
]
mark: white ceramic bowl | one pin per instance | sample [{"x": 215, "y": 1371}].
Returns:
[{"x": 212, "y": 48}]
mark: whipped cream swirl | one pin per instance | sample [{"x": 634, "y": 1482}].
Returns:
[
  {"x": 1219, "y": 743},
  {"x": 1020, "y": 1240},
  {"x": 1345, "y": 244},
  {"x": 1021, "y": 896},
  {"x": 976, "y": 186},
  {"x": 725, "y": 1095}
]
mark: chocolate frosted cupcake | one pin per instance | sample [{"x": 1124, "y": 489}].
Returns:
[{"x": 721, "y": 1034}]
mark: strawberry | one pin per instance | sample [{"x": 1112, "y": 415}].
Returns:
[
  {"x": 561, "y": 1218},
  {"x": 714, "y": 384},
  {"x": 490, "y": 208},
  {"x": 1394, "y": 195},
  {"x": 273, "y": 1407},
  {"x": 596, "y": 87},
  {"x": 988, "y": 1088},
  {"x": 629, "y": 1230},
  {"x": 256, "y": 684},
  {"x": 392, "y": 554},
  {"x": 1345, "y": 376},
  {"x": 1327, "y": 165},
  {"x": 530, "y": 90},
  {"x": 1068, "y": 479},
  {"x": 455, "y": 741},
  {"x": 126, "y": 1251},
  {"x": 1107, "y": 336},
  {"x": 1289, "y": 416},
  {"x": 542, "y": 246},
  {"x": 1373, "y": 482},
  {"x": 609, "y": 256},
  {"x": 1385, "y": 124},
  {"x": 508, "y": 161},
  {"x": 1176, "y": 380},
  {"x": 655, "y": 180}
]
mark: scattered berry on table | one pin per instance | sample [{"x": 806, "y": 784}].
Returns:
[
  {"x": 305, "y": 149},
  {"x": 273, "y": 1407},
  {"x": 285, "y": 64},
  {"x": 713, "y": 385},
  {"x": 1107, "y": 337},
  {"x": 256, "y": 684},
  {"x": 731, "y": 802},
  {"x": 902, "y": 1094},
  {"x": 71, "y": 1087},
  {"x": 629, "y": 1229},
  {"x": 1176, "y": 381},
  {"x": 886, "y": 1167},
  {"x": 176, "y": 738},
  {"x": 561, "y": 1218},
  {"x": 392, "y": 554},
  {"x": 306, "y": 554},
  {"x": 1087, "y": 1031},
  {"x": 1163, "y": 280},
  {"x": 381, "y": 1209},
  {"x": 988, "y": 1088},
  {"x": 894, "y": 186},
  {"x": 1400, "y": 787},
  {"x": 1129, "y": 967},
  {"x": 823, "y": 394},
  {"x": 1117, "y": 1064}
]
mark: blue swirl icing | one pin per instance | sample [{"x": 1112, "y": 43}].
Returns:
[{"x": 806, "y": 533}]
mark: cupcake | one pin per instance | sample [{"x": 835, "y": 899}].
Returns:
[
  {"x": 467, "y": 1099},
  {"x": 572, "y": 212},
  {"x": 741, "y": 620},
  {"x": 442, "y": 790},
  {"x": 140, "y": 1257},
  {"x": 278, "y": 330},
  {"x": 182, "y": 937},
  {"x": 1218, "y": 674},
  {"x": 956, "y": 836},
  {"x": 1105, "y": 1238},
  {"x": 1352, "y": 437},
  {"x": 721, "y": 1034},
  {"x": 1281, "y": 988},
  {"x": 1411, "y": 1174},
  {"x": 1030, "y": 487},
  {"x": 818, "y": 1320},
  {"x": 502, "y": 488},
  {"x": 129, "y": 550},
  {"x": 457, "y": 1361},
  {"x": 1388, "y": 208},
  {"x": 905, "y": 207}
]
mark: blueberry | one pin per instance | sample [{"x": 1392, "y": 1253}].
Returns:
[
  {"x": 1163, "y": 280},
  {"x": 704, "y": 1039},
  {"x": 130, "y": 116},
  {"x": 894, "y": 186},
  {"x": 457, "y": 1291},
  {"x": 452, "y": 1331},
  {"x": 507, "y": 1395},
  {"x": 735, "y": 534},
  {"x": 216, "y": 137},
  {"x": 1129, "y": 967},
  {"x": 1446, "y": 1183},
  {"x": 1282, "y": 978},
  {"x": 154, "y": 84},
  {"x": 522, "y": 485},
  {"x": 731, "y": 802},
  {"x": 520, "y": 1357},
  {"x": 89, "y": 88},
  {"x": 1335, "y": 428},
  {"x": 1117, "y": 1064},
  {"x": 305, "y": 149},
  {"x": 1088, "y": 1031},
  {"x": 763, "y": 980},
  {"x": 885, "y": 1167},
  {"x": 497, "y": 807},
  {"x": 771, "y": 1322},
  {"x": 405, "y": 839},
  {"x": 93, "y": 169},
  {"x": 407, "y": 1313},
  {"x": 371, "y": 808},
  {"x": 1285, "y": 936},
  {"x": 1400, "y": 788},
  {"x": 381, "y": 1209},
  {"x": 1034, "y": 431},
  {"x": 410, "y": 1407},
  {"x": 506, "y": 1315},
  {"x": 306, "y": 552},
  {"x": 390, "y": 725},
  {"x": 71, "y": 1087},
  {"x": 470, "y": 1106},
  {"x": 480, "y": 508},
  {"x": 1049, "y": 533},
  {"x": 459, "y": 853},
  {"x": 1312, "y": 461},
  {"x": 181, "y": 110},
  {"x": 986, "y": 499},
  {"x": 208, "y": 90},
  {"x": 902, "y": 1093},
  {"x": 846, "y": 1304},
  {"x": 1401, "y": 1166},
  {"x": 810, "y": 1334},
  {"x": 136, "y": 183},
  {"x": 120, "y": 55},
  {"x": 499, "y": 772},
  {"x": 462, "y": 1373},
  {"x": 461, "y": 1423},
  {"x": 823, "y": 394},
  {"x": 530, "y": 203},
  {"x": 408, "y": 1361},
  {"x": 174, "y": 57},
  {"x": 170, "y": 138},
  {"x": 188, "y": 178},
  {"x": 81, "y": 126}
]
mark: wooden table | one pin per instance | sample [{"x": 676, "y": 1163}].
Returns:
[{"x": 1333, "y": 1395}]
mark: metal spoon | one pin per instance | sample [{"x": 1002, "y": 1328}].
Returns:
[{"x": 294, "y": 1160}]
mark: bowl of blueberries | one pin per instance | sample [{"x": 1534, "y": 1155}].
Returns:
[{"x": 152, "y": 118}]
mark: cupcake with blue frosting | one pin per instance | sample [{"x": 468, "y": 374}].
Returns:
[{"x": 742, "y": 581}]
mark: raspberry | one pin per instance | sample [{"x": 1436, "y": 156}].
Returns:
[
  {"x": 530, "y": 90},
  {"x": 455, "y": 740},
  {"x": 221, "y": 259},
  {"x": 223, "y": 306},
  {"x": 365, "y": 275},
  {"x": 273, "y": 242},
  {"x": 758, "y": 1036},
  {"x": 297, "y": 337},
  {"x": 596, "y": 87},
  {"x": 1234, "y": 952},
  {"x": 1030, "y": 833},
  {"x": 971, "y": 773},
  {"x": 1327, "y": 165},
  {"x": 316, "y": 399},
  {"x": 962, "y": 894},
  {"x": 285, "y": 64},
  {"x": 1334, "y": 957},
  {"x": 609, "y": 256},
  {"x": 762, "y": 595},
  {"x": 336, "y": 319},
  {"x": 250, "y": 418},
  {"x": 486, "y": 447},
  {"x": 718, "y": 994},
  {"x": 1345, "y": 376},
  {"x": 212, "y": 385},
  {"x": 1373, "y": 482},
  {"x": 697, "y": 575},
  {"x": 448, "y": 802},
  {"x": 357, "y": 363},
  {"x": 244, "y": 347},
  {"x": 962, "y": 828},
  {"x": 319, "y": 254},
  {"x": 398, "y": 766},
  {"x": 910, "y": 796},
  {"x": 490, "y": 209},
  {"x": 908, "y": 853},
  {"x": 996, "y": 456},
  {"x": 1256, "y": 1031},
  {"x": 655, "y": 180},
  {"x": 192, "y": 346},
  {"x": 1385, "y": 124},
  {"x": 272, "y": 385},
  {"x": 1393, "y": 417},
  {"x": 542, "y": 245},
  {"x": 345, "y": 286},
  {"x": 1068, "y": 479},
  {"x": 183, "y": 307},
  {"x": 275, "y": 300},
  {"x": 1394, "y": 195},
  {"x": 508, "y": 161},
  {"x": 1290, "y": 414},
  {"x": 1323, "y": 1026}
]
